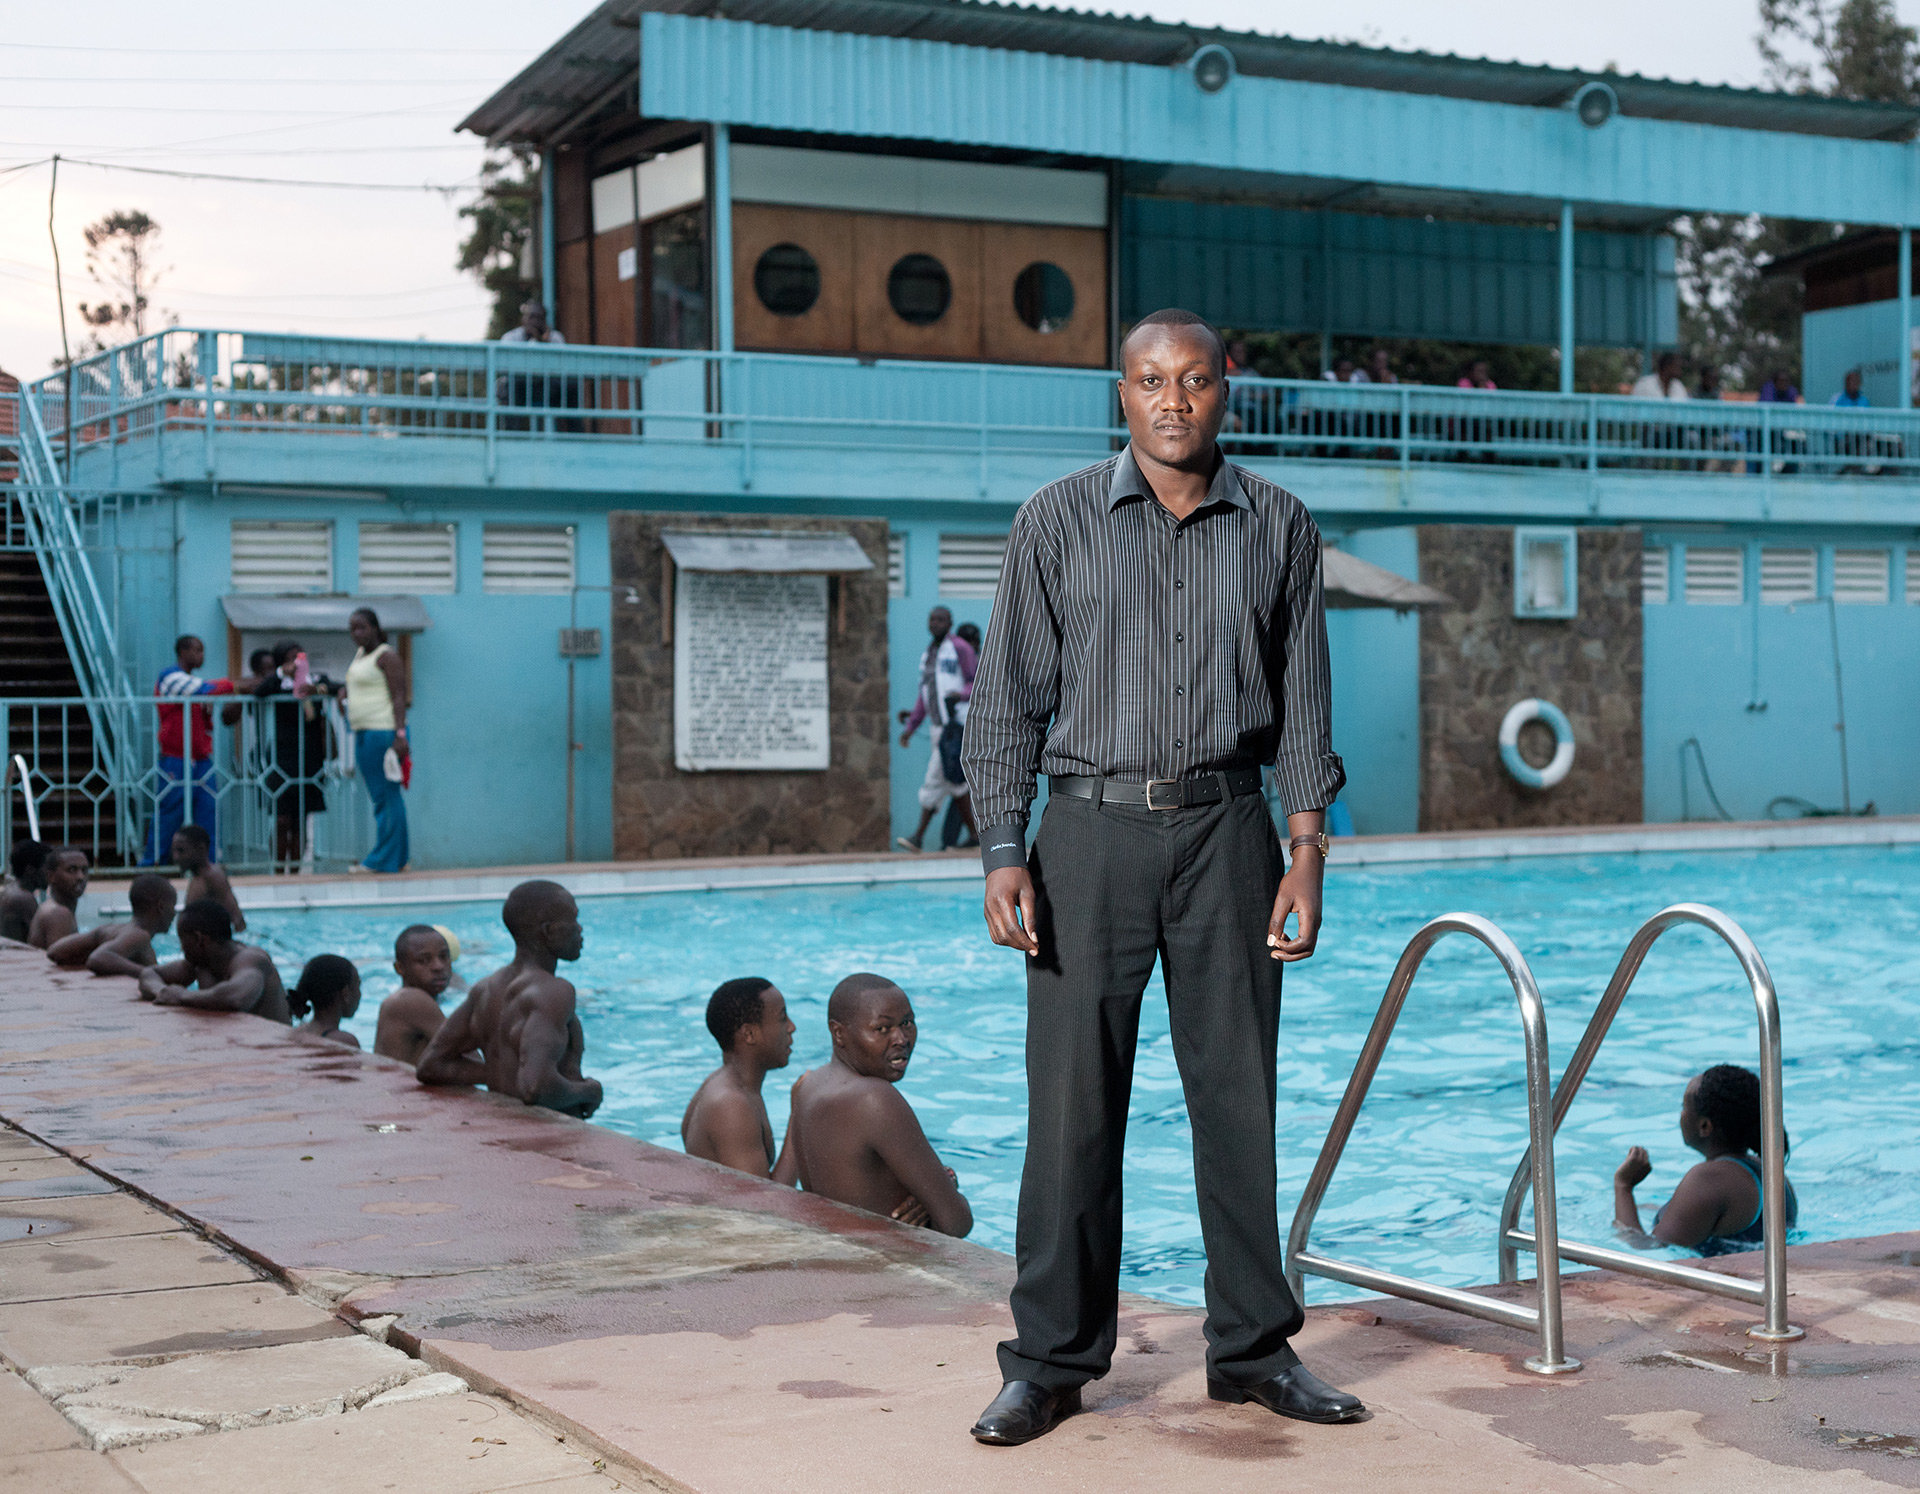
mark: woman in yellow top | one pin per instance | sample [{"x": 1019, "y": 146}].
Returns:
[{"x": 377, "y": 712}]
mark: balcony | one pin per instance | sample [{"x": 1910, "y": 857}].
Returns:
[{"x": 188, "y": 408}]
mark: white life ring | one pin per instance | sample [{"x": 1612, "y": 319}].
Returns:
[{"x": 1555, "y": 719}]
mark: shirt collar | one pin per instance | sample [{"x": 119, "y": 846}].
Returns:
[{"x": 1129, "y": 483}]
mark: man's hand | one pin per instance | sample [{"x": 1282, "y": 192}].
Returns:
[
  {"x": 911, "y": 1211},
  {"x": 906, "y": 738},
  {"x": 1299, "y": 895},
  {"x": 1010, "y": 909},
  {"x": 1634, "y": 1170}
]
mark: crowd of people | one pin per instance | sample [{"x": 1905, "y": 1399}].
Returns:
[
  {"x": 294, "y": 745},
  {"x": 852, "y": 1136}
]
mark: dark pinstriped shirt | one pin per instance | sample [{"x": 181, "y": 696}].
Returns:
[{"x": 1128, "y": 643}]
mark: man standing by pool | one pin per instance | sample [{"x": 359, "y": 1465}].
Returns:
[{"x": 1159, "y": 636}]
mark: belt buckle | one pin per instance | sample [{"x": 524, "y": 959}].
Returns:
[{"x": 1154, "y": 783}]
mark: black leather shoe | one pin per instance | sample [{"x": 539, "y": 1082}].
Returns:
[
  {"x": 1296, "y": 1392},
  {"x": 1024, "y": 1410}
]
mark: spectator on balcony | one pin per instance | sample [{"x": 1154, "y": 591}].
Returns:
[
  {"x": 1665, "y": 382},
  {"x": 1779, "y": 389},
  {"x": 1850, "y": 396},
  {"x": 1379, "y": 369},
  {"x": 537, "y": 389},
  {"x": 533, "y": 325},
  {"x": 377, "y": 701},
  {"x": 1478, "y": 376},
  {"x": 185, "y": 755},
  {"x": 1343, "y": 372}
]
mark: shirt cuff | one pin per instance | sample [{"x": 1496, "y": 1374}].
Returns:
[{"x": 1002, "y": 846}]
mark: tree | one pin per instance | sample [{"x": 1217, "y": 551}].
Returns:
[
  {"x": 1732, "y": 318},
  {"x": 499, "y": 248},
  {"x": 120, "y": 257}
]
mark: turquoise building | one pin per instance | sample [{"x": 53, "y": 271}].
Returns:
[{"x": 870, "y": 260}]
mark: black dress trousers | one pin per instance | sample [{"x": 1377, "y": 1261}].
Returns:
[{"x": 1119, "y": 886}]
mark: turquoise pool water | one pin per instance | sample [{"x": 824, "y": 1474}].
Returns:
[{"x": 1422, "y": 1180}]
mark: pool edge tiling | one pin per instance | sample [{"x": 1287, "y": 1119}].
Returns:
[
  {"x": 707, "y": 1332},
  {"x": 719, "y": 874}
]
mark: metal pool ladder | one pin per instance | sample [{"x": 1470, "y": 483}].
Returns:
[
  {"x": 1545, "y": 1318},
  {"x": 1771, "y": 1292}
]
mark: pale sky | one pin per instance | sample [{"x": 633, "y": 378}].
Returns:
[{"x": 364, "y": 92}]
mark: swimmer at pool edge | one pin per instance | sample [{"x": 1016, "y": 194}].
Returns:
[
  {"x": 726, "y": 1120},
  {"x": 123, "y": 948},
  {"x": 853, "y": 1135},
  {"x": 1716, "y": 1209},
  {"x": 411, "y": 1015}
]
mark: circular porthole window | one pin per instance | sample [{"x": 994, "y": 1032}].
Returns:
[
  {"x": 787, "y": 280},
  {"x": 1043, "y": 297},
  {"x": 919, "y": 289}
]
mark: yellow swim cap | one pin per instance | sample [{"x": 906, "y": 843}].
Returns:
[{"x": 453, "y": 941}]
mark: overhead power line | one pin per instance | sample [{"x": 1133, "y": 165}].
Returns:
[
  {"x": 434, "y": 51},
  {"x": 274, "y": 181}
]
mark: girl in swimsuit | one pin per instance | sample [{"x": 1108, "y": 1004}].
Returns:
[{"x": 1716, "y": 1208}]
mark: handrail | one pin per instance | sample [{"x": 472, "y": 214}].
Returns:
[
  {"x": 26, "y": 791},
  {"x": 86, "y": 625},
  {"x": 1552, "y": 1358},
  {"x": 185, "y": 379},
  {"x": 1773, "y": 1137}
]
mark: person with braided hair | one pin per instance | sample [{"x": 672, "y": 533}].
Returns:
[{"x": 1715, "y": 1210}]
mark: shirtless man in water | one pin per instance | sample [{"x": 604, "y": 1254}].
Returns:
[
  {"x": 215, "y": 974},
  {"x": 67, "y": 871},
  {"x": 123, "y": 948},
  {"x": 855, "y": 1139},
  {"x": 411, "y": 1015},
  {"x": 19, "y": 899},
  {"x": 521, "y": 1017},
  {"x": 726, "y": 1121}
]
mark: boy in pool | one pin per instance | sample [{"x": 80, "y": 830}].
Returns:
[
  {"x": 1716, "y": 1208},
  {"x": 521, "y": 1018},
  {"x": 411, "y": 1015},
  {"x": 67, "y": 870},
  {"x": 26, "y": 880},
  {"x": 123, "y": 948},
  {"x": 726, "y": 1121},
  {"x": 329, "y": 987},
  {"x": 193, "y": 854},
  {"x": 216, "y": 974},
  {"x": 852, "y": 1136}
]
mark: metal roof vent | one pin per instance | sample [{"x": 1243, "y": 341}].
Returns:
[
  {"x": 1213, "y": 67},
  {"x": 1595, "y": 103}
]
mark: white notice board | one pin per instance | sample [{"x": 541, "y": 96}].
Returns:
[{"x": 749, "y": 671}]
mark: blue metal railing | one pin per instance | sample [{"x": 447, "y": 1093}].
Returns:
[
  {"x": 215, "y": 385},
  {"x": 109, "y": 800}
]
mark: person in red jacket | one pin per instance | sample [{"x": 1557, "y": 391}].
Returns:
[{"x": 185, "y": 752}]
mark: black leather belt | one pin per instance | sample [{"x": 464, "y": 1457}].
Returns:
[{"x": 1160, "y": 793}]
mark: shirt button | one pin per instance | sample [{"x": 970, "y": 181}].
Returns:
[
  {"x": 1178, "y": 743},
  {"x": 1179, "y": 689},
  {"x": 1179, "y": 637},
  {"x": 1178, "y": 585}
]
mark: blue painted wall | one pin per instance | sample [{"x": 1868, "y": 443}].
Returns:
[
  {"x": 1866, "y": 337},
  {"x": 1701, "y": 676},
  {"x": 1376, "y": 695},
  {"x": 489, "y": 717}
]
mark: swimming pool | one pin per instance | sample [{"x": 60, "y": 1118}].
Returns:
[{"x": 1419, "y": 1189}]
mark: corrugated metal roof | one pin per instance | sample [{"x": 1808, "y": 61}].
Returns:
[
  {"x": 596, "y": 64},
  {"x": 795, "y": 552}
]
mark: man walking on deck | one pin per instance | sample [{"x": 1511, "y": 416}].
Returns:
[
  {"x": 1158, "y": 637},
  {"x": 946, "y": 682}
]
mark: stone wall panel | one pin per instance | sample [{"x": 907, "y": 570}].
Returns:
[
  {"x": 1477, "y": 659},
  {"x": 661, "y": 812}
]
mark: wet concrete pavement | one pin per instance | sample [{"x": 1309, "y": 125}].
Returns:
[{"x": 703, "y": 1331}]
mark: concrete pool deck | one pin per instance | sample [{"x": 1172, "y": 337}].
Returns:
[{"x": 700, "y": 1331}]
